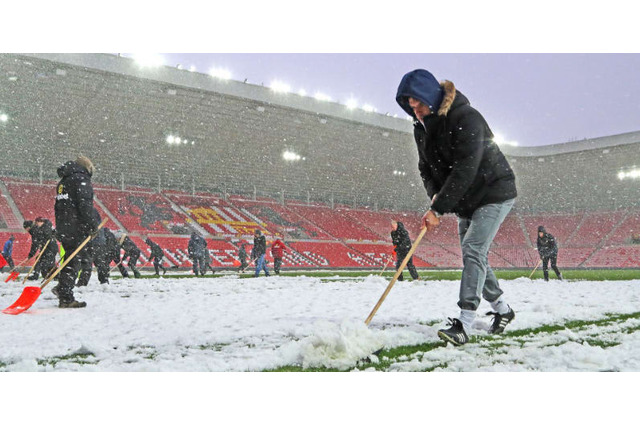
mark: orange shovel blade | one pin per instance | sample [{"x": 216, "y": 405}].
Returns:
[{"x": 27, "y": 298}]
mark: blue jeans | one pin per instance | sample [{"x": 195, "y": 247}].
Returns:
[
  {"x": 476, "y": 236},
  {"x": 261, "y": 264}
]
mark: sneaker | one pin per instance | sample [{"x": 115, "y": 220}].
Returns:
[
  {"x": 33, "y": 277},
  {"x": 500, "y": 321},
  {"x": 72, "y": 304},
  {"x": 454, "y": 334}
]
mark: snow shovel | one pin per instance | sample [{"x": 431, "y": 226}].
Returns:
[
  {"x": 36, "y": 262},
  {"x": 247, "y": 267},
  {"x": 534, "y": 269},
  {"x": 13, "y": 274},
  {"x": 395, "y": 277},
  {"x": 30, "y": 294}
]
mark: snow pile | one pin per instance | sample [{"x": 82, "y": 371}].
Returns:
[{"x": 340, "y": 346}]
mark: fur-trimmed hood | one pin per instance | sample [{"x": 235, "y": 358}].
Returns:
[{"x": 422, "y": 85}]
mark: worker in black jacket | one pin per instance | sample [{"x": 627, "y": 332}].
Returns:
[
  {"x": 156, "y": 256},
  {"x": 548, "y": 251},
  {"x": 402, "y": 246},
  {"x": 75, "y": 221},
  {"x": 41, "y": 231},
  {"x": 113, "y": 251},
  {"x": 259, "y": 252},
  {"x": 464, "y": 173},
  {"x": 132, "y": 253},
  {"x": 197, "y": 253}
]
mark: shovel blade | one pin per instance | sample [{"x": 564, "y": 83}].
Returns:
[
  {"x": 27, "y": 298},
  {"x": 12, "y": 276}
]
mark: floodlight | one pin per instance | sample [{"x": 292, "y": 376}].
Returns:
[
  {"x": 368, "y": 108},
  {"x": 177, "y": 139},
  {"x": 302, "y": 92},
  {"x": 322, "y": 97},
  {"x": 145, "y": 60},
  {"x": 631, "y": 174},
  {"x": 280, "y": 87},
  {"x": 351, "y": 103},
  {"x": 220, "y": 73},
  {"x": 4, "y": 118},
  {"x": 170, "y": 139},
  {"x": 192, "y": 68}
]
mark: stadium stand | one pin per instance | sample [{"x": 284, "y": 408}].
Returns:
[
  {"x": 143, "y": 211},
  {"x": 229, "y": 177}
]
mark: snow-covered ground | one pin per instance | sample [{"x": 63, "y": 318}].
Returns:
[{"x": 232, "y": 324}]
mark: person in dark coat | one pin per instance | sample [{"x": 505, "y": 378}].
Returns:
[
  {"x": 277, "y": 251},
  {"x": 548, "y": 251},
  {"x": 156, "y": 256},
  {"x": 101, "y": 257},
  {"x": 86, "y": 256},
  {"x": 465, "y": 173},
  {"x": 75, "y": 221},
  {"x": 131, "y": 255},
  {"x": 259, "y": 251},
  {"x": 42, "y": 232},
  {"x": 113, "y": 252},
  {"x": 7, "y": 252},
  {"x": 196, "y": 249},
  {"x": 402, "y": 246},
  {"x": 242, "y": 256}
]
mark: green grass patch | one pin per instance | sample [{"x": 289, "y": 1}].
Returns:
[
  {"x": 491, "y": 343},
  {"x": 81, "y": 359}
]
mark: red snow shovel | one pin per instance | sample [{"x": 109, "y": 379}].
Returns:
[
  {"x": 395, "y": 277},
  {"x": 30, "y": 294},
  {"x": 13, "y": 274}
]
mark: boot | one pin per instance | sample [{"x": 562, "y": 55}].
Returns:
[{"x": 72, "y": 304}]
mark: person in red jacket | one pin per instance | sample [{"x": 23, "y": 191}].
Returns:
[{"x": 277, "y": 250}]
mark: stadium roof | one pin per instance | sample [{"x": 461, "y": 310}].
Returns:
[{"x": 200, "y": 81}]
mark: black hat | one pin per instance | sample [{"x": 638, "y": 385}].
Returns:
[
  {"x": 27, "y": 224},
  {"x": 541, "y": 229}
]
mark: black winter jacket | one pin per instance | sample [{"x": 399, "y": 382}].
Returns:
[
  {"x": 259, "y": 246},
  {"x": 112, "y": 246},
  {"x": 401, "y": 240},
  {"x": 156, "y": 250},
  {"x": 547, "y": 246},
  {"x": 458, "y": 159},
  {"x": 75, "y": 219},
  {"x": 197, "y": 246},
  {"x": 40, "y": 236},
  {"x": 130, "y": 248}
]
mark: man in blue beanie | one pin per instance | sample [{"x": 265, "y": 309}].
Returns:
[{"x": 465, "y": 173}]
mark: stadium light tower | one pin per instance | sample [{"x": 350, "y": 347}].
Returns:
[{"x": 148, "y": 60}]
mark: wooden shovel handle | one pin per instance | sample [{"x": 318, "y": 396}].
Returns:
[
  {"x": 36, "y": 262},
  {"x": 395, "y": 277}
]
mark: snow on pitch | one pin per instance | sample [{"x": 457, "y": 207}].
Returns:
[{"x": 231, "y": 324}]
